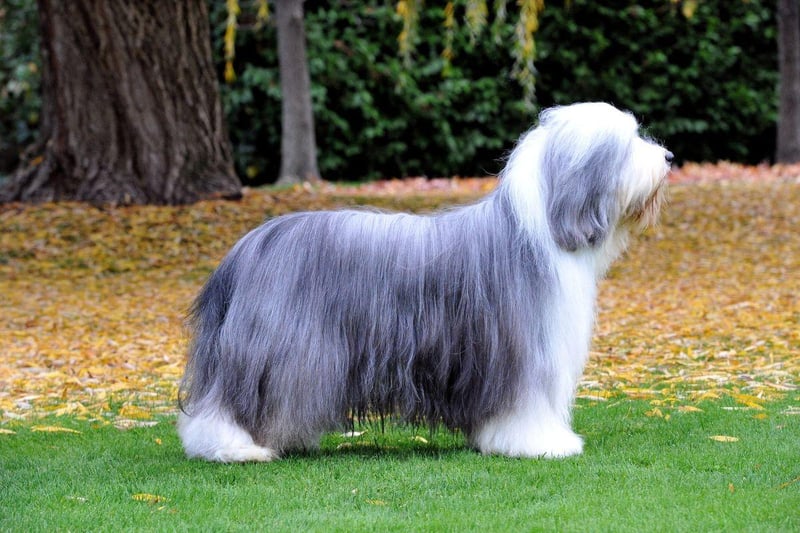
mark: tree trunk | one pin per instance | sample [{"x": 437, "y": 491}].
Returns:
[
  {"x": 298, "y": 143},
  {"x": 130, "y": 107},
  {"x": 788, "y": 141}
]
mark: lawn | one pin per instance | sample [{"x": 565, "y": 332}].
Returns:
[
  {"x": 639, "y": 473},
  {"x": 689, "y": 405}
]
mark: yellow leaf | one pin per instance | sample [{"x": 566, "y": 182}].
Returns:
[
  {"x": 71, "y": 408},
  {"x": 230, "y": 74},
  {"x": 639, "y": 394},
  {"x": 417, "y": 438},
  {"x": 761, "y": 416},
  {"x": 689, "y": 409},
  {"x": 148, "y": 498},
  {"x": 53, "y": 429},
  {"x": 125, "y": 424},
  {"x": 688, "y": 8},
  {"x": 376, "y": 502},
  {"x": 132, "y": 411},
  {"x": 593, "y": 397},
  {"x": 4, "y": 431},
  {"x": 748, "y": 400},
  {"x": 724, "y": 438},
  {"x": 655, "y": 412},
  {"x": 263, "y": 11}
]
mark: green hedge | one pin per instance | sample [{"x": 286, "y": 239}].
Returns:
[
  {"x": 705, "y": 85},
  {"x": 375, "y": 117},
  {"x": 20, "y": 101}
]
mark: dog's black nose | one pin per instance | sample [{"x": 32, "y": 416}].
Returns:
[{"x": 669, "y": 156}]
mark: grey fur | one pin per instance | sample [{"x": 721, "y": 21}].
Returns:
[
  {"x": 315, "y": 318},
  {"x": 581, "y": 182}
]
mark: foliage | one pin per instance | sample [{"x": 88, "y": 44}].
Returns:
[
  {"x": 523, "y": 48},
  {"x": 700, "y": 75},
  {"x": 638, "y": 470},
  {"x": 703, "y": 79},
  {"x": 20, "y": 101},
  {"x": 374, "y": 116}
]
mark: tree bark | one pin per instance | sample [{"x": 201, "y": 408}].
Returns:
[
  {"x": 298, "y": 141},
  {"x": 131, "y": 112},
  {"x": 788, "y": 141}
]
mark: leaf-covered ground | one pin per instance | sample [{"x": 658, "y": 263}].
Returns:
[{"x": 92, "y": 301}]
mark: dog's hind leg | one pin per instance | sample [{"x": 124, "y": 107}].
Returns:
[{"x": 214, "y": 436}]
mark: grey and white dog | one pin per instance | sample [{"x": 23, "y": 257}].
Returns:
[{"x": 479, "y": 317}]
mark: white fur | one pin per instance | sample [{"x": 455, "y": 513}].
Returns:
[
  {"x": 540, "y": 426},
  {"x": 576, "y": 187},
  {"x": 214, "y": 436}
]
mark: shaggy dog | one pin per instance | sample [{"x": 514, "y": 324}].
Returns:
[{"x": 479, "y": 317}]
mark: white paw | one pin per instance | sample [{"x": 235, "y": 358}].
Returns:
[
  {"x": 530, "y": 440},
  {"x": 213, "y": 436},
  {"x": 244, "y": 454},
  {"x": 554, "y": 445}
]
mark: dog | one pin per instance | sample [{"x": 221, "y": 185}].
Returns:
[{"x": 479, "y": 317}]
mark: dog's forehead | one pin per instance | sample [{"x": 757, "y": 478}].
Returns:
[{"x": 591, "y": 114}]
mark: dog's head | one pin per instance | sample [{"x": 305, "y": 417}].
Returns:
[{"x": 597, "y": 173}]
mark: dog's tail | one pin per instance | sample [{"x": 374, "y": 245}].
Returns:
[{"x": 205, "y": 321}]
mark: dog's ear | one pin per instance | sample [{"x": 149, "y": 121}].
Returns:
[{"x": 581, "y": 190}]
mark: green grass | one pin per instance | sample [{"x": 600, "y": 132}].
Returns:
[{"x": 638, "y": 473}]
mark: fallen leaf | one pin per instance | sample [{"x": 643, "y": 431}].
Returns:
[
  {"x": 417, "y": 438},
  {"x": 135, "y": 412},
  {"x": 53, "y": 429},
  {"x": 748, "y": 400},
  {"x": 592, "y": 397},
  {"x": 148, "y": 498},
  {"x": 125, "y": 424},
  {"x": 689, "y": 409},
  {"x": 724, "y": 438},
  {"x": 93, "y": 299},
  {"x": 4, "y": 431}
]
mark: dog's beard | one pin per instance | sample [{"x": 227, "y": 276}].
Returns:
[{"x": 643, "y": 214}]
